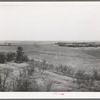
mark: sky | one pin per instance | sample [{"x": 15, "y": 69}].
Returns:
[{"x": 50, "y": 21}]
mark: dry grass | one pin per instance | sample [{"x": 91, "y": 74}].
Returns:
[
  {"x": 78, "y": 58},
  {"x": 73, "y": 62}
]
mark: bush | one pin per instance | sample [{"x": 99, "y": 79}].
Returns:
[
  {"x": 24, "y": 82},
  {"x": 2, "y": 58},
  {"x": 11, "y": 56},
  {"x": 31, "y": 67},
  {"x": 44, "y": 65},
  {"x": 80, "y": 74},
  {"x": 59, "y": 68},
  {"x": 4, "y": 75},
  {"x": 85, "y": 81},
  {"x": 66, "y": 70},
  {"x": 48, "y": 82},
  {"x": 25, "y": 58},
  {"x": 96, "y": 74},
  {"x": 51, "y": 67}
]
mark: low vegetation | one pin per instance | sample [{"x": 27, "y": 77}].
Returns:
[
  {"x": 65, "y": 70},
  {"x": 17, "y": 57},
  {"x": 26, "y": 79},
  {"x": 2, "y": 58},
  {"x": 24, "y": 82},
  {"x": 11, "y": 56},
  {"x": 4, "y": 79}
]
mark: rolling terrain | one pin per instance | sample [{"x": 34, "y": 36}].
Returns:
[
  {"x": 79, "y": 58},
  {"x": 85, "y": 58}
]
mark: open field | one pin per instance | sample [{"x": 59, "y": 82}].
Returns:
[{"x": 80, "y": 58}]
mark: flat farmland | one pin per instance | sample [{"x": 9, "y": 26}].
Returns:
[{"x": 86, "y": 58}]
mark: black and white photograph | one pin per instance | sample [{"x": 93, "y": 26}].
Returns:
[{"x": 50, "y": 47}]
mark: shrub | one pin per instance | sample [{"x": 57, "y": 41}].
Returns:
[
  {"x": 2, "y": 58},
  {"x": 24, "y": 83},
  {"x": 80, "y": 74},
  {"x": 4, "y": 75},
  {"x": 44, "y": 65},
  {"x": 31, "y": 67},
  {"x": 47, "y": 82},
  {"x": 59, "y": 68},
  {"x": 25, "y": 58},
  {"x": 85, "y": 81},
  {"x": 11, "y": 56},
  {"x": 96, "y": 74},
  {"x": 66, "y": 70},
  {"x": 51, "y": 67}
]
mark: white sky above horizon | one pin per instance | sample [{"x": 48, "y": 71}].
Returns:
[{"x": 50, "y": 21}]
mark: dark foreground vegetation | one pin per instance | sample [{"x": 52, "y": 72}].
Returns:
[
  {"x": 26, "y": 78},
  {"x": 18, "y": 56}
]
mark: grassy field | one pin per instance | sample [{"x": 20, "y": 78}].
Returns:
[
  {"x": 78, "y": 58},
  {"x": 84, "y": 58}
]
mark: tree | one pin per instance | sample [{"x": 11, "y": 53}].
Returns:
[
  {"x": 20, "y": 54},
  {"x": 21, "y": 57}
]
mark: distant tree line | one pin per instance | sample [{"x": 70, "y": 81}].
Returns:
[
  {"x": 6, "y": 44},
  {"x": 18, "y": 56},
  {"x": 75, "y": 44}
]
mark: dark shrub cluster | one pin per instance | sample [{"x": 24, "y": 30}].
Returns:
[
  {"x": 7, "y": 57},
  {"x": 2, "y": 58},
  {"x": 11, "y": 56},
  {"x": 18, "y": 57}
]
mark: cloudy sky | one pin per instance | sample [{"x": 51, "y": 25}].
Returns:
[{"x": 66, "y": 21}]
